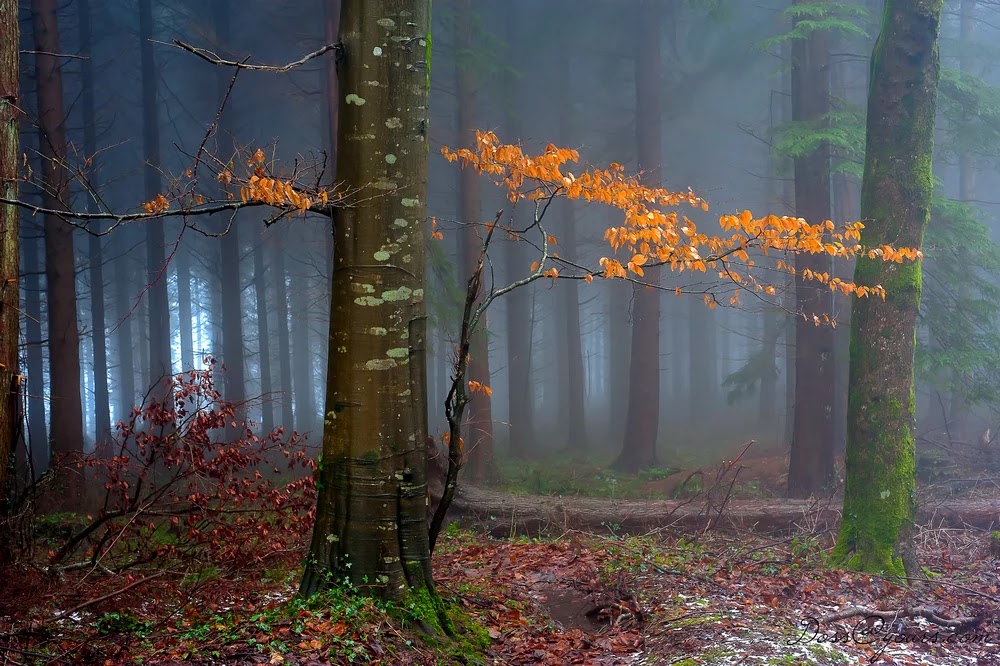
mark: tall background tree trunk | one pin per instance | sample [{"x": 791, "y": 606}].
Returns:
[
  {"x": 520, "y": 407},
  {"x": 879, "y": 494},
  {"x": 34, "y": 356},
  {"x": 66, "y": 433},
  {"x": 263, "y": 338},
  {"x": 642, "y": 424},
  {"x": 102, "y": 397},
  {"x": 124, "y": 278},
  {"x": 479, "y": 440},
  {"x": 574, "y": 389},
  {"x": 158, "y": 305},
  {"x": 811, "y": 460},
  {"x": 958, "y": 409},
  {"x": 231, "y": 282},
  {"x": 284, "y": 348}
]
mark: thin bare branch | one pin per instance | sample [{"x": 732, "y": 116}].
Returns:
[{"x": 215, "y": 59}]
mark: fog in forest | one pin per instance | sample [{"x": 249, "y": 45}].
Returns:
[{"x": 561, "y": 353}]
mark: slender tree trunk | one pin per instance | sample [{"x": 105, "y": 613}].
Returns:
[
  {"x": 520, "y": 408},
  {"x": 371, "y": 519},
  {"x": 574, "y": 389},
  {"x": 642, "y": 424},
  {"x": 958, "y": 411},
  {"x": 34, "y": 360},
  {"x": 811, "y": 461},
  {"x": 66, "y": 433},
  {"x": 160, "y": 363},
  {"x": 182, "y": 263},
  {"x": 263, "y": 338},
  {"x": 231, "y": 283},
  {"x": 767, "y": 407},
  {"x": 302, "y": 355},
  {"x": 123, "y": 313},
  {"x": 619, "y": 323},
  {"x": 102, "y": 397},
  {"x": 479, "y": 441},
  {"x": 879, "y": 494},
  {"x": 284, "y": 350},
  {"x": 142, "y": 346},
  {"x": 704, "y": 360},
  {"x": 10, "y": 306}
]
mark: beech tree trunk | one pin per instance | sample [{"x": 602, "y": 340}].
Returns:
[
  {"x": 10, "y": 297},
  {"x": 642, "y": 424},
  {"x": 371, "y": 524},
  {"x": 66, "y": 433},
  {"x": 879, "y": 495},
  {"x": 810, "y": 468},
  {"x": 158, "y": 305},
  {"x": 480, "y": 467}
]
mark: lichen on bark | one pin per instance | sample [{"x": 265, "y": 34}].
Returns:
[{"x": 371, "y": 526}]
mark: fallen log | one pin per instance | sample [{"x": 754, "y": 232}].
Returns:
[{"x": 505, "y": 514}]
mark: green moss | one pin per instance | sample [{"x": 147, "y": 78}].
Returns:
[
  {"x": 447, "y": 629},
  {"x": 424, "y": 607}
]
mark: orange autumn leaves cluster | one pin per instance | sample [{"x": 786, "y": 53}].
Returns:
[
  {"x": 257, "y": 187},
  {"x": 655, "y": 233}
]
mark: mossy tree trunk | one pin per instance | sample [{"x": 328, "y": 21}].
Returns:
[
  {"x": 810, "y": 466},
  {"x": 10, "y": 412},
  {"x": 371, "y": 525},
  {"x": 879, "y": 503}
]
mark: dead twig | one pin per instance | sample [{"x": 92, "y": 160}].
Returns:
[
  {"x": 215, "y": 59},
  {"x": 928, "y": 614},
  {"x": 105, "y": 597}
]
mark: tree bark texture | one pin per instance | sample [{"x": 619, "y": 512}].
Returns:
[
  {"x": 371, "y": 524},
  {"x": 810, "y": 467},
  {"x": 879, "y": 502},
  {"x": 10, "y": 306},
  {"x": 66, "y": 432}
]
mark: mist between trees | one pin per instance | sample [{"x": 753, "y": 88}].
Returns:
[{"x": 192, "y": 209}]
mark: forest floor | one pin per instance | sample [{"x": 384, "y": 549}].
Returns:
[
  {"x": 574, "y": 598},
  {"x": 600, "y": 580}
]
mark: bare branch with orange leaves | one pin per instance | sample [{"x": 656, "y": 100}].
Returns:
[{"x": 655, "y": 232}]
